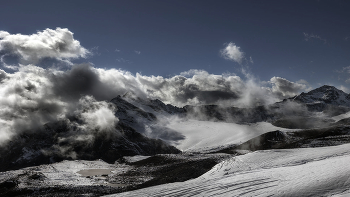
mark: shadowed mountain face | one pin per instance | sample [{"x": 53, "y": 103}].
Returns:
[
  {"x": 46, "y": 147},
  {"x": 63, "y": 140}
]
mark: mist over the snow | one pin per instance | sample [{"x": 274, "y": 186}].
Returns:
[{"x": 31, "y": 95}]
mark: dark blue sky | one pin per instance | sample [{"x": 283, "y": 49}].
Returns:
[{"x": 296, "y": 40}]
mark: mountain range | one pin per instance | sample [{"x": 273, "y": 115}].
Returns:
[
  {"x": 135, "y": 115},
  {"x": 314, "y": 119}
]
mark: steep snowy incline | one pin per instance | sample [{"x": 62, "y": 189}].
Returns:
[
  {"x": 292, "y": 172},
  {"x": 206, "y": 135}
]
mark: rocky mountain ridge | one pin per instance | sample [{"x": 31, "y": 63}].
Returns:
[{"x": 138, "y": 132}]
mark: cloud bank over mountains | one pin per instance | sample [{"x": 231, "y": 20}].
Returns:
[{"x": 32, "y": 96}]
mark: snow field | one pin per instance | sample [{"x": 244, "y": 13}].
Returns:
[
  {"x": 203, "y": 135},
  {"x": 293, "y": 172}
]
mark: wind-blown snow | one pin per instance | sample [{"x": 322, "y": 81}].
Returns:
[
  {"x": 204, "y": 135},
  {"x": 291, "y": 172}
]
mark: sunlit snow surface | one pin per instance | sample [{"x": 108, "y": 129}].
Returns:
[
  {"x": 204, "y": 135},
  {"x": 291, "y": 172}
]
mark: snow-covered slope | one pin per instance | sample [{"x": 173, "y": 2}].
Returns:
[
  {"x": 207, "y": 135},
  {"x": 290, "y": 172}
]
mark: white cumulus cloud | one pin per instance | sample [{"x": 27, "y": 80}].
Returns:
[
  {"x": 56, "y": 44},
  {"x": 97, "y": 115},
  {"x": 232, "y": 52},
  {"x": 287, "y": 88}
]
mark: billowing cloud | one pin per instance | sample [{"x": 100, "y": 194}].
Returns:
[
  {"x": 56, "y": 44},
  {"x": 232, "y": 52},
  {"x": 98, "y": 115},
  {"x": 26, "y": 101},
  {"x": 29, "y": 98},
  {"x": 287, "y": 88},
  {"x": 200, "y": 88}
]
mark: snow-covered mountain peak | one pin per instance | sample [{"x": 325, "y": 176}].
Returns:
[
  {"x": 131, "y": 96},
  {"x": 325, "y": 94},
  {"x": 327, "y": 90}
]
